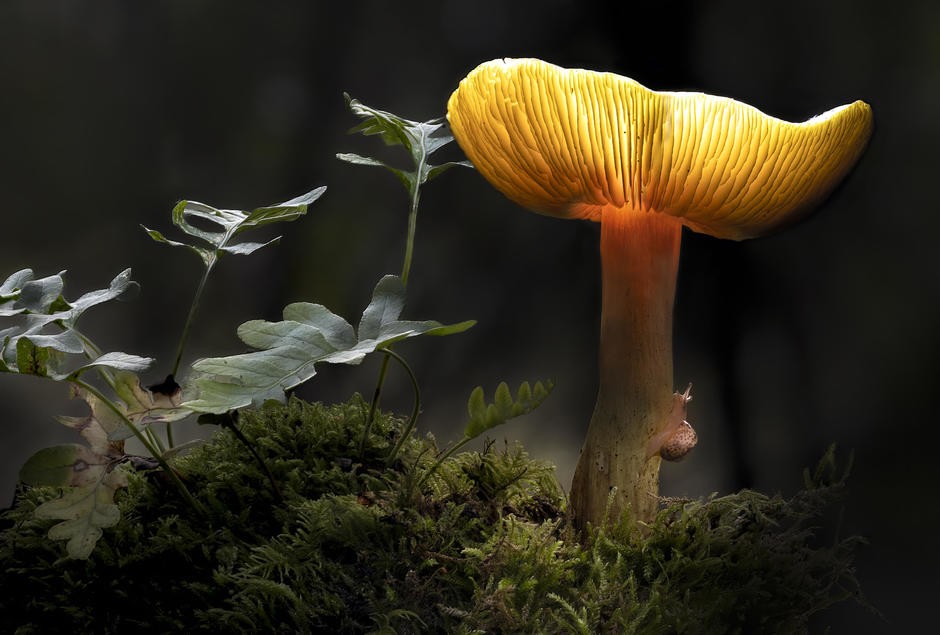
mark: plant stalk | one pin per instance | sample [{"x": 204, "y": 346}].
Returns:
[
  {"x": 191, "y": 316},
  {"x": 254, "y": 453},
  {"x": 410, "y": 426},
  {"x": 415, "y": 195},
  {"x": 412, "y": 228},
  {"x": 184, "y": 336}
]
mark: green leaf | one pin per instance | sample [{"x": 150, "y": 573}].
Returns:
[
  {"x": 503, "y": 401},
  {"x": 435, "y": 171},
  {"x": 246, "y": 249},
  {"x": 309, "y": 334},
  {"x": 120, "y": 361},
  {"x": 10, "y": 292},
  {"x": 281, "y": 213},
  {"x": 230, "y": 223},
  {"x": 85, "y": 511},
  {"x": 407, "y": 178},
  {"x": 358, "y": 159},
  {"x": 12, "y": 285},
  {"x": 38, "y": 344},
  {"x": 337, "y": 331},
  {"x": 204, "y": 254},
  {"x": 64, "y": 342},
  {"x": 30, "y": 359},
  {"x": 120, "y": 288},
  {"x": 387, "y": 303},
  {"x": 393, "y": 129},
  {"x": 45, "y": 332},
  {"x": 476, "y": 404},
  {"x": 37, "y": 296},
  {"x": 68, "y": 465},
  {"x": 114, "y": 361},
  {"x": 420, "y": 139},
  {"x": 485, "y": 416}
]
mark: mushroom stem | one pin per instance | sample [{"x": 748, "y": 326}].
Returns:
[{"x": 639, "y": 258}]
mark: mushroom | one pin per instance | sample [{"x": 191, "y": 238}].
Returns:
[{"x": 574, "y": 143}]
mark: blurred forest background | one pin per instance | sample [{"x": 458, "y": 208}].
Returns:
[{"x": 827, "y": 332}]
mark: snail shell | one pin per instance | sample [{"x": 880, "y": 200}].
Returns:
[{"x": 679, "y": 443}]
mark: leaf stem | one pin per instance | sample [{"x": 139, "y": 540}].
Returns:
[
  {"x": 184, "y": 336},
  {"x": 264, "y": 466},
  {"x": 410, "y": 426},
  {"x": 169, "y": 435},
  {"x": 412, "y": 225},
  {"x": 157, "y": 443},
  {"x": 374, "y": 406},
  {"x": 91, "y": 346},
  {"x": 210, "y": 263}
]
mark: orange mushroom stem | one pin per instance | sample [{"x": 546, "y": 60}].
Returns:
[
  {"x": 639, "y": 260},
  {"x": 600, "y": 147}
]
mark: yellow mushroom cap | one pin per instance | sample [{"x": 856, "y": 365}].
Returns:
[{"x": 572, "y": 142}]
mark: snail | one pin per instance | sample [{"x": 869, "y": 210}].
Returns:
[{"x": 677, "y": 438}]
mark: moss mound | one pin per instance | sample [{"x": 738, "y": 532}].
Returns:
[{"x": 345, "y": 543}]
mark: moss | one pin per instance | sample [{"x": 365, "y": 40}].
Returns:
[{"x": 349, "y": 544}]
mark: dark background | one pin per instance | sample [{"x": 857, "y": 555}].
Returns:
[{"x": 112, "y": 111}]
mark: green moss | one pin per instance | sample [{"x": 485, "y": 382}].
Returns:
[{"x": 349, "y": 544}]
